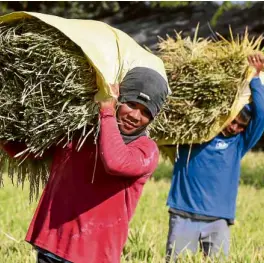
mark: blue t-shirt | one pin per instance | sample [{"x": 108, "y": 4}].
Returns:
[{"x": 208, "y": 183}]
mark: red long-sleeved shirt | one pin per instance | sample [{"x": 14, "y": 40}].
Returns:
[{"x": 82, "y": 221}]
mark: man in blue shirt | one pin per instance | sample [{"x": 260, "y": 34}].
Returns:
[{"x": 202, "y": 197}]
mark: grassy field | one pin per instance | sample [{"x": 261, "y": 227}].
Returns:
[{"x": 148, "y": 230}]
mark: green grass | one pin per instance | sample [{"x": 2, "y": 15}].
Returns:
[
  {"x": 253, "y": 169},
  {"x": 148, "y": 229}
]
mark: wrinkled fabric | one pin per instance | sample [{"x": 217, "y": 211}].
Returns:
[
  {"x": 83, "y": 215},
  {"x": 187, "y": 235},
  {"x": 207, "y": 183}
]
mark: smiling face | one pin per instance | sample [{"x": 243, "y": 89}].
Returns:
[
  {"x": 132, "y": 116},
  {"x": 235, "y": 127}
]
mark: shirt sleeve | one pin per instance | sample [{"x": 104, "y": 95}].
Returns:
[
  {"x": 132, "y": 160},
  {"x": 255, "y": 128}
]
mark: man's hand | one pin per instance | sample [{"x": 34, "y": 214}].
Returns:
[
  {"x": 256, "y": 61},
  {"x": 111, "y": 102}
]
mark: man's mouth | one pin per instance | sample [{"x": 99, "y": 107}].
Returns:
[
  {"x": 228, "y": 133},
  {"x": 129, "y": 125},
  {"x": 231, "y": 132}
]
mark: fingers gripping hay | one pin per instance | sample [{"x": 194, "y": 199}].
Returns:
[
  {"x": 205, "y": 78},
  {"x": 47, "y": 89}
]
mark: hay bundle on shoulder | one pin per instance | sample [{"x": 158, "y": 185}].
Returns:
[
  {"x": 207, "y": 79},
  {"x": 47, "y": 89}
]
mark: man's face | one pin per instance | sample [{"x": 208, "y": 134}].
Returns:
[
  {"x": 132, "y": 116},
  {"x": 235, "y": 127}
]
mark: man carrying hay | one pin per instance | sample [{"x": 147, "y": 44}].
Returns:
[
  {"x": 202, "y": 198},
  {"x": 91, "y": 195}
]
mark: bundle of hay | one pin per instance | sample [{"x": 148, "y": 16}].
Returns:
[
  {"x": 47, "y": 92},
  {"x": 47, "y": 86},
  {"x": 51, "y": 68},
  {"x": 206, "y": 78}
]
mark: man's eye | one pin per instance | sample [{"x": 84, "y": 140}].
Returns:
[
  {"x": 131, "y": 104},
  {"x": 146, "y": 113}
]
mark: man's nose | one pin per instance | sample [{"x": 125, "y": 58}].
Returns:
[
  {"x": 135, "y": 114},
  {"x": 233, "y": 127}
]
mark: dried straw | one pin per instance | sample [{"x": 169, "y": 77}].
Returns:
[
  {"x": 205, "y": 77},
  {"x": 47, "y": 89}
]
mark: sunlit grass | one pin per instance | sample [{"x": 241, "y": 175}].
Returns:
[{"x": 148, "y": 229}]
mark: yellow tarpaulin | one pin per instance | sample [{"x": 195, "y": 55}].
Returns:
[
  {"x": 168, "y": 149},
  {"x": 111, "y": 52},
  {"x": 241, "y": 99}
]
